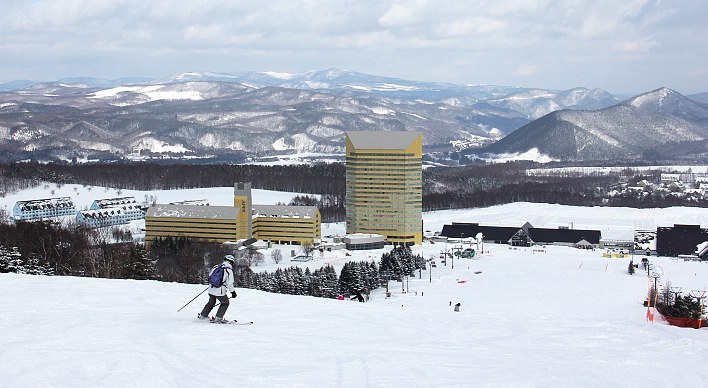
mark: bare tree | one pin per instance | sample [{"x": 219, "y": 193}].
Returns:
[
  {"x": 307, "y": 247},
  {"x": 276, "y": 255},
  {"x": 253, "y": 257}
]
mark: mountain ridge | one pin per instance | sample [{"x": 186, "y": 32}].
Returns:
[
  {"x": 627, "y": 130},
  {"x": 269, "y": 113}
]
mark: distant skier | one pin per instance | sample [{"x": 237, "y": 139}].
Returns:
[
  {"x": 220, "y": 292},
  {"x": 359, "y": 296},
  {"x": 457, "y": 307}
]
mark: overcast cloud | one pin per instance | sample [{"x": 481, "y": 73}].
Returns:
[{"x": 625, "y": 46}]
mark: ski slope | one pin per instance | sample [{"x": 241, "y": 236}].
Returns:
[{"x": 529, "y": 319}]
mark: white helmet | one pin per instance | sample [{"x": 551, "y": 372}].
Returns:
[{"x": 229, "y": 258}]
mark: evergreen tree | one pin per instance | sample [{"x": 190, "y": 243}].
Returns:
[
  {"x": 243, "y": 276},
  {"x": 301, "y": 282},
  {"x": 347, "y": 278},
  {"x": 138, "y": 265},
  {"x": 684, "y": 306},
  {"x": 10, "y": 260},
  {"x": 278, "y": 282},
  {"x": 374, "y": 279},
  {"x": 330, "y": 283},
  {"x": 391, "y": 265},
  {"x": 34, "y": 266}
]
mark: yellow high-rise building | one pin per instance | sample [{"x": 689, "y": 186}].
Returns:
[{"x": 384, "y": 185}]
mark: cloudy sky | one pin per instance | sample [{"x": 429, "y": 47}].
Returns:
[{"x": 623, "y": 46}]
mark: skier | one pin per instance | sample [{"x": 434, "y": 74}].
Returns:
[
  {"x": 220, "y": 293},
  {"x": 457, "y": 307}
]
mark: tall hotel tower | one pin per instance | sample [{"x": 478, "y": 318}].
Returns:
[{"x": 384, "y": 185}]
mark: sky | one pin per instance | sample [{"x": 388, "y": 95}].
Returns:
[
  {"x": 529, "y": 317},
  {"x": 625, "y": 47}
]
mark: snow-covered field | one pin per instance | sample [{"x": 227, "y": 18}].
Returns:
[{"x": 543, "y": 317}]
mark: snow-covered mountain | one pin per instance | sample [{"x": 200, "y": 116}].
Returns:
[
  {"x": 660, "y": 123},
  {"x": 128, "y": 95},
  {"x": 262, "y": 113},
  {"x": 537, "y": 103}
]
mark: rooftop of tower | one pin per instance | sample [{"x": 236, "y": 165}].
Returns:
[{"x": 382, "y": 140}]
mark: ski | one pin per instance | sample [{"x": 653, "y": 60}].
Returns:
[{"x": 234, "y": 322}]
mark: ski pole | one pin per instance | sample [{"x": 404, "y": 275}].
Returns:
[{"x": 192, "y": 299}]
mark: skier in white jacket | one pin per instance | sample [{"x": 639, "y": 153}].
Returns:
[{"x": 221, "y": 293}]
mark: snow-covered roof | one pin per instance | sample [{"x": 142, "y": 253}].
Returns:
[
  {"x": 284, "y": 211},
  {"x": 110, "y": 212},
  {"x": 190, "y": 211},
  {"x": 193, "y": 202},
  {"x": 360, "y": 238},
  {"x": 47, "y": 201},
  {"x": 108, "y": 202}
]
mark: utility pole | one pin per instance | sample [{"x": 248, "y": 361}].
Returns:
[
  {"x": 656, "y": 287},
  {"x": 387, "y": 276},
  {"x": 674, "y": 291}
]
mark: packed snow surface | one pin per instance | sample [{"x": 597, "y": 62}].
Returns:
[
  {"x": 560, "y": 317},
  {"x": 529, "y": 317}
]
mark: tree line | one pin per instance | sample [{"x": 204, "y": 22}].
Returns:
[
  {"x": 48, "y": 248},
  {"x": 318, "y": 178},
  {"x": 355, "y": 278},
  {"x": 53, "y": 248}
]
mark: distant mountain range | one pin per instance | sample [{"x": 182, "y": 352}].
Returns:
[
  {"x": 658, "y": 124},
  {"x": 261, "y": 114}
]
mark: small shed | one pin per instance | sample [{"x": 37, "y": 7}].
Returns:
[{"x": 584, "y": 244}]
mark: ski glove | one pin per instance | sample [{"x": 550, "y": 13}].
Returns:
[{"x": 233, "y": 294}]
